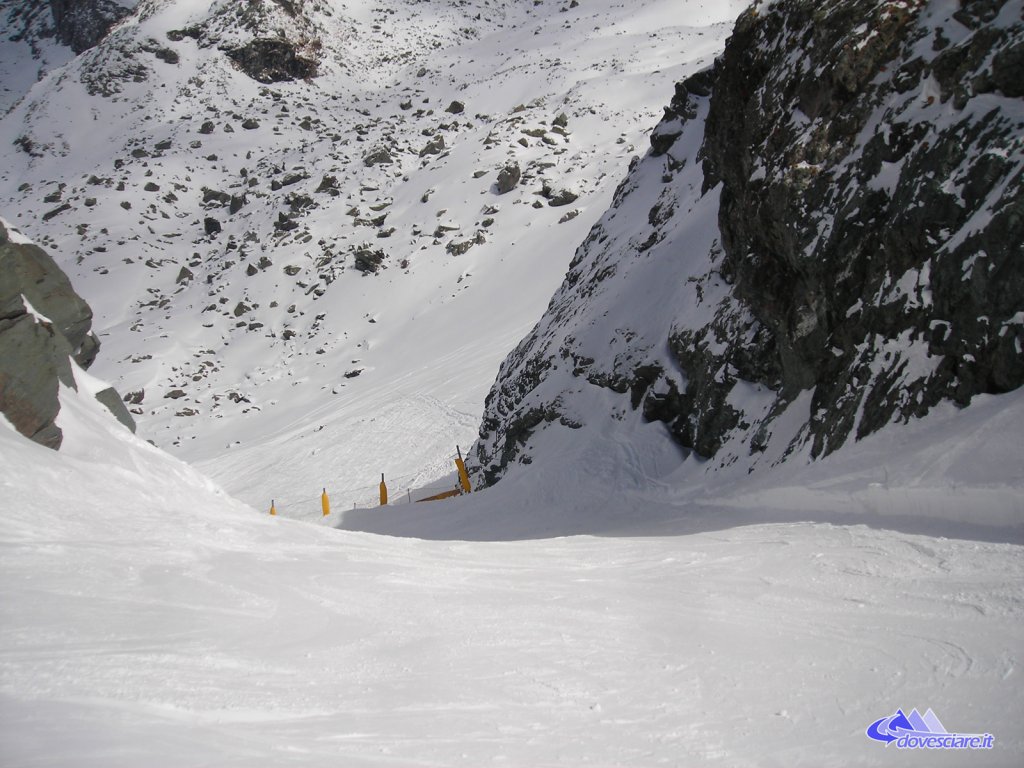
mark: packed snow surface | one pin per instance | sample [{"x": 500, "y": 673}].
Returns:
[{"x": 148, "y": 619}]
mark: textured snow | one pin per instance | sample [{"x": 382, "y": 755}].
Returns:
[{"x": 148, "y": 619}]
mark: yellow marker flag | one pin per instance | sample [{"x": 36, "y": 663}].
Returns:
[
  {"x": 460, "y": 465},
  {"x": 272, "y": 510},
  {"x": 325, "y": 503},
  {"x": 383, "y": 492},
  {"x": 463, "y": 475}
]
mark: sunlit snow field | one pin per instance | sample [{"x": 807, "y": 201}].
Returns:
[{"x": 148, "y": 619}]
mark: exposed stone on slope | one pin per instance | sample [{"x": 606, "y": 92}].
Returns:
[
  {"x": 272, "y": 60},
  {"x": 508, "y": 178},
  {"x": 35, "y": 351},
  {"x": 29, "y": 270}
]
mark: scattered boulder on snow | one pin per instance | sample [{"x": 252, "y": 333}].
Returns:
[
  {"x": 367, "y": 260},
  {"x": 378, "y": 156},
  {"x": 560, "y": 197},
  {"x": 508, "y": 178},
  {"x": 433, "y": 147},
  {"x": 329, "y": 185}
]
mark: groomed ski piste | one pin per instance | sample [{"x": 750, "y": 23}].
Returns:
[{"x": 568, "y": 616}]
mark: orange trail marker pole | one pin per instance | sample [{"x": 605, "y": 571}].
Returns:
[
  {"x": 273, "y": 511},
  {"x": 383, "y": 491},
  {"x": 463, "y": 474},
  {"x": 325, "y": 503}
]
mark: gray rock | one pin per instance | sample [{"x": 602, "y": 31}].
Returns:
[
  {"x": 378, "y": 156},
  {"x": 112, "y": 401},
  {"x": 562, "y": 197},
  {"x": 367, "y": 260},
  {"x": 508, "y": 178},
  {"x": 34, "y": 361},
  {"x": 35, "y": 354},
  {"x": 434, "y": 147},
  {"x": 29, "y": 270}
]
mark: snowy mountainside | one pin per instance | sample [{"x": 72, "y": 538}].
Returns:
[
  {"x": 311, "y": 230},
  {"x": 28, "y": 49},
  {"x": 824, "y": 239},
  {"x": 40, "y": 36}
]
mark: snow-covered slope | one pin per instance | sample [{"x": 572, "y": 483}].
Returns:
[
  {"x": 265, "y": 280},
  {"x": 824, "y": 239},
  {"x": 28, "y": 49},
  {"x": 147, "y": 619}
]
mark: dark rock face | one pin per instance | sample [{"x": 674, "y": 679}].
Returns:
[
  {"x": 272, "y": 60},
  {"x": 863, "y": 162},
  {"x": 844, "y": 238},
  {"x": 29, "y": 270},
  {"x": 80, "y": 24},
  {"x": 35, "y": 354}
]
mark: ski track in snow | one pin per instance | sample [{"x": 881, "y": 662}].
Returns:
[{"x": 148, "y": 619}]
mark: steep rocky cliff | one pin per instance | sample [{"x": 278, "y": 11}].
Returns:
[
  {"x": 824, "y": 238},
  {"x": 80, "y": 24},
  {"x": 44, "y": 326}
]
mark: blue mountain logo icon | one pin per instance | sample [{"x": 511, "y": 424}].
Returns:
[{"x": 917, "y": 731}]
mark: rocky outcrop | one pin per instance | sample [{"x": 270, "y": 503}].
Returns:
[
  {"x": 824, "y": 239},
  {"x": 271, "y": 60},
  {"x": 44, "y": 324},
  {"x": 80, "y": 24}
]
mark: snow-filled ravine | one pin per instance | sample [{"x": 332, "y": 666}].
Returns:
[
  {"x": 272, "y": 361},
  {"x": 146, "y": 619}
]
